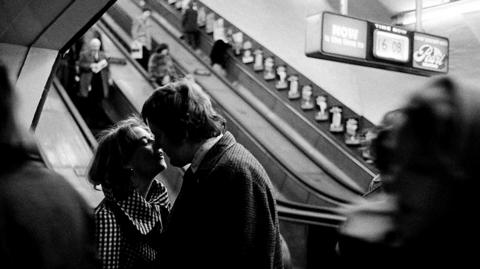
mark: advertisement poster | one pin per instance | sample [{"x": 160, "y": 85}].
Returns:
[
  {"x": 344, "y": 36},
  {"x": 430, "y": 52}
]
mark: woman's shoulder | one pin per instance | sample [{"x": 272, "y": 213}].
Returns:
[{"x": 103, "y": 211}]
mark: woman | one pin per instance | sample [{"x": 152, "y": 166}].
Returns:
[{"x": 130, "y": 219}]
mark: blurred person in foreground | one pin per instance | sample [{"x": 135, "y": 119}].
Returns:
[
  {"x": 225, "y": 214},
  {"x": 431, "y": 193},
  {"x": 365, "y": 214},
  {"x": 381, "y": 146},
  {"x": 44, "y": 222},
  {"x": 132, "y": 216}
]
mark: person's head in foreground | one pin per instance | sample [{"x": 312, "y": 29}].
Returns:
[
  {"x": 436, "y": 167},
  {"x": 433, "y": 165}
]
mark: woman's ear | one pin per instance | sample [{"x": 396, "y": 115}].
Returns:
[{"x": 128, "y": 169}]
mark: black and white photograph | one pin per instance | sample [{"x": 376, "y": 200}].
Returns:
[{"x": 223, "y": 134}]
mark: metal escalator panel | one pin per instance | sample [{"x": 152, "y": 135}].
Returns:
[{"x": 66, "y": 143}]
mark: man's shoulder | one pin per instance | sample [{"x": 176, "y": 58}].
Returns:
[
  {"x": 38, "y": 193},
  {"x": 238, "y": 154},
  {"x": 238, "y": 159}
]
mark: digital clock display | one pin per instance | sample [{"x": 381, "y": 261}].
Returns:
[{"x": 391, "y": 46}]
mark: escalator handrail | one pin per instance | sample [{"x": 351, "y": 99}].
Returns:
[
  {"x": 317, "y": 215},
  {"x": 309, "y": 217},
  {"x": 104, "y": 25},
  {"x": 82, "y": 125}
]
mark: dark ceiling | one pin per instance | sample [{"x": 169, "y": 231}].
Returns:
[{"x": 47, "y": 23}]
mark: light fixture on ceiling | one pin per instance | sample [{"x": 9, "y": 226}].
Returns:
[{"x": 438, "y": 12}]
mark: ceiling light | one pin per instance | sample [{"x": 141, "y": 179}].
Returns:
[{"x": 438, "y": 12}]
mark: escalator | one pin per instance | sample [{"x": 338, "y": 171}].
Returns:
[
  {"x": 309, "y": 230},
  {"x": 316, "y": 134},
  {"x": 296, "y": 176}
]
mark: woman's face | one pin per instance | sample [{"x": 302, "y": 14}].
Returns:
[
  {"x": 175, "y": 151},
  {"x": 145, "y": 160}
]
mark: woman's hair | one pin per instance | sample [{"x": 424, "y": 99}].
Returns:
[
  {"x": 182, "y": 110},
  {"x": 161, "y": 47},
  {"x": 115, "y": 148}
]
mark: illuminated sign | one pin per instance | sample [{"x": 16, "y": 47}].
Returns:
[
  {"x": 390, "y": 46},
  {"x": 430, "y": 52},
  {"x": 344, "y": 36},
  {"x": 391, "y": 43},
  {"x": 350, "y": 40}
]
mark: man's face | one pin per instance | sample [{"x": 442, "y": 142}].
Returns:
[
  {"x": 94, "y": 46},
  {"x": 175, "y": 151}
]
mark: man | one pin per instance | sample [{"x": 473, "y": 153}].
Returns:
[
  {"x": 190, "y": 26},
  {"x": 94, "y": 74},
  {"x": 141, "y": 34},
  {"x": 44, "y": 222},
  {"x": 225, "y": 214}
]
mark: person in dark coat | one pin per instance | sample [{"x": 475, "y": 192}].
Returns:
[
  {"x": 94, "y": 73},
  {"x": 190, "y": 27},
  {"x": 219, "y": 56},
  {"x": 225, "y": 214},
  {"x": 44, "y": 222}
]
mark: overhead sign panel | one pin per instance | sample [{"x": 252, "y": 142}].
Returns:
[
  {"x": 350, "y": 40},
  {"x": 430, "y": 52},
  {"x": 344, "y": 36}
]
